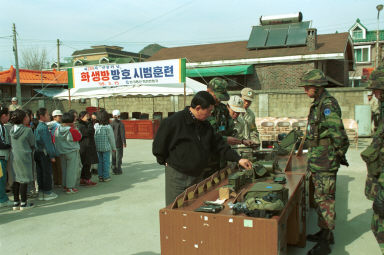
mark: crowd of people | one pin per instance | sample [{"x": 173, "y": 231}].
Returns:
[{"x": 41, "y": 151}]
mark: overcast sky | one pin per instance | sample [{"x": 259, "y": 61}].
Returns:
[{"x": 135, "y": 24}]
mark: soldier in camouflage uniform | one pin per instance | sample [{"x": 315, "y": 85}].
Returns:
[
  {"x": 235, "y": 107},
  {"x": 328, "y": 144},
  {"x": 250, "y": 130},
  {"x": 220, "y": 120},
  {"x": 374, "y": 186}
]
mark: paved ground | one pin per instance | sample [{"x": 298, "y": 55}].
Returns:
[{"x": 121, "y": 217}]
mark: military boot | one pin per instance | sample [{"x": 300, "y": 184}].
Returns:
[
  {"x": 316, "y": 237},
  {"x": 322, "y": 247}
]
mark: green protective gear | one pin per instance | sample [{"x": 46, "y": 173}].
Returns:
[
  {"x": 262, "y": 189},
  {"x": 219, "y": 87},
  {"x": 261, "y": 204},
  {"x": 314, "y": 77}
]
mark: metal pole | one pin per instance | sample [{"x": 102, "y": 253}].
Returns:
[
  {"x": 69, "y": 98},
  {"x": 185, "y": 94},
  {"x": 18, "y": 88},
  {"x": 58, "y": 55},
  {"x": 379, "y": 8}
]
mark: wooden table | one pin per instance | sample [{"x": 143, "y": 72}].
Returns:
[{"x": 183, "y": 231}]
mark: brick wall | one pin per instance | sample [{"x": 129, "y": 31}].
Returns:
[
  {"x": 279, "y": 76},
  {"x": 295, "y": 103}
]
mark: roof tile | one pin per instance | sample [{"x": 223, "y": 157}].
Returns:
[
  {"x": 327, "y": 43},
  {"x": 34, "y": 76}
]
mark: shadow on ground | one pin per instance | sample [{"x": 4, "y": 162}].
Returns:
[{"x": 133, "y": 173}]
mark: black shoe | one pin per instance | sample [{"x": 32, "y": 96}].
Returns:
[
  {"x": 317, "y": 237},
  {"x": 321, "y": 248}
]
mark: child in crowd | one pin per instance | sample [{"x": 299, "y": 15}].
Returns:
[
  {"x": 23, "y": 141},
  {"x": 88, "y": 152},
  {"x": 5, "y": 147},
  {"x": 45, "y": 154},
  {"x": 119, "y": 133},
  {"x": 67, "y": 139},
  {"x": 105, "y": 142}
]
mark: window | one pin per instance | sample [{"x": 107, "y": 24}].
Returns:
[
  {"x": 362, "y": 54},
  {"x": 357, "y": 33}
]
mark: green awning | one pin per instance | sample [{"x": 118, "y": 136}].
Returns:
[{"x": 220, "y": 71}]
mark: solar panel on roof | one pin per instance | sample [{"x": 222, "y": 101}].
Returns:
[
  {"x": 297, "y": 34},
  {"x": 281, "y": 35},
  {"x": 259, "y": 40},
  {"x": 277, "y": 37}
]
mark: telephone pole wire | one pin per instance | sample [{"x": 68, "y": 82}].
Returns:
[{"x": 18, "y": 88}]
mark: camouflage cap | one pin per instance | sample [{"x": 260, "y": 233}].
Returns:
[
  {"x": 376, "y": 79},
  {"x": 219, "y": 87},
  {"x": 247, "y": 94},
  {"x": 236, "y": 104},
  {"x": 314, "y": 77}
]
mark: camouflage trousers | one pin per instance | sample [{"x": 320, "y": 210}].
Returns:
[
  {"x": 324, "y": 195},
  {"x": 377, "y": 227},
  {"x": 371, "y": 187}
]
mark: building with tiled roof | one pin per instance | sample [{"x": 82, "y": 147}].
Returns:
[
  {"x": 102, "y": 54},
  {"x": 267, "y": 68},
  {"x": 365, "y": 51},
  {"x": 30, "y": 81}
]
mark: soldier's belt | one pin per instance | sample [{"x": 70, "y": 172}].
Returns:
[{"x": 320, "y": 142}]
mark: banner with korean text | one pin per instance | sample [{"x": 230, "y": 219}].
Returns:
[{"x": 133, "y": 74}]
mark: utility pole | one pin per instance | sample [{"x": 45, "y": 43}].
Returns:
[
  {"x": 379, "y": 8},
  {"x": 18, "y": 88},
  {"x": 58, "y": 55}
]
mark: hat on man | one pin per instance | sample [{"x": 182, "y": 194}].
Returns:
[
  {"x": 14, "y": 99},
  {"x": 247, "y": 94},
  {"x": 314, "y": 77},
  {"x": 370, "y": 93},
  {"x": 57, "y": 113},
  {"x": 236, "y": 104},
  {"x": 116, "y": 113},
  {"x": 219, "y": 87}
]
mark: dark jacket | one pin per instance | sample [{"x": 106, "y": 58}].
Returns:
[
  {"x": 44, "y": 140},
  {"x": 88, "y": 152},
  {"x": 186, "y": 144},
  {"x": 119, "y": 133}
]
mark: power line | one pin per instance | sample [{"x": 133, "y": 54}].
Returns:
[{"x": 149, "y": 21}]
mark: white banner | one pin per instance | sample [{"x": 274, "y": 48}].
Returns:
[{"x": 142, "y": 73}]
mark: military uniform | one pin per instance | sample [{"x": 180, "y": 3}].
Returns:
[
  {"x": 220, "y": 120},
  {"x": 374, "y": 187},
  {"x": 328, "y": 143},
  {"x": 250, "y": 129}
]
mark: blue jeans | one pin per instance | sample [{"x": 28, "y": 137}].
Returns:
[
  {"x": 104, "y": 163},
  {"x": 3, "y": 182}
]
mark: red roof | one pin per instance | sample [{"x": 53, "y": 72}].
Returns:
[{"x": 34, "y": 76}]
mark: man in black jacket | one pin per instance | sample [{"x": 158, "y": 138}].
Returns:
[
  {"x": 184, "y": 143},
  {"x": 119, "y": 133}
]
